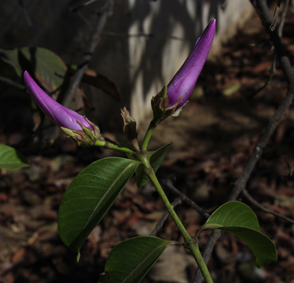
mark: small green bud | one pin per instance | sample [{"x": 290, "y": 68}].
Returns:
[
  {"x": 130, "y": 125},
  {"x": 130, "y": 128},
  {"x": 160, "y": 104},
  {"x": 85, "y": 137}
]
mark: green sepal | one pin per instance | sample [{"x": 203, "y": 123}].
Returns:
[{"x": 159, "y": 105}]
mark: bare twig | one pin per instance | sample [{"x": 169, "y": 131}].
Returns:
[
  {"x": 264, "y": 208},
  {"x": 280, "y": 112},
  {"x": 265, "y": 16},
  {"x": 140, "y": 34},
  {"x": 276, "y": 13},
  {"x": 271, "y": 73},
  {"x": 165, "y": 215},
  {"x": 87, "y": 56},
  {"x": 187, "y": 200},
  {"x": 12, "y": 83},
  {"x": 119, "y": 34},
  {"x": 78, "y": 7},
  {"x": 283, "y": 17}
]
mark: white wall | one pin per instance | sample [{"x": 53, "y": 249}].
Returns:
[{"x": 174, "y": 25}]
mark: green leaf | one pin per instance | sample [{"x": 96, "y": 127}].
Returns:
[
  {"x": 89, "y": 197},
  {"x": 6, "y": 71},
  {"x": 45, "y": 65},
  {"x": 9, "y": 67},
  {"x": 239, "y": 219},
  {"x": 156, "y": 158},
  {"x": 102, "y": 82},
  {"x": 11, "y": 159},
  {"x": 48, "y": 67},
  {"x": 99, "y": 81},
  {"x": 130, "y": 260},
  {"x": 11, "y": 57}
]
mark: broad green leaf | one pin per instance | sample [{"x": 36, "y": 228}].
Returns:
[
  {"x": 130, "y": 260},
  {"x": 48, "y": 67},
  {"x": 102, "y": 82},
  {"x": 11, "y": 57},
  {"x": 99, "y": 81},
  {"x": 11, "y": 159},
  {"x": 156, "y": 158},
  {"x": 89, "y": 197},
  {"x": 239, "y": 219}
]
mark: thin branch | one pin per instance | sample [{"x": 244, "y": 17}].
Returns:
[
  {"x": 12, "y": 83},
  {"x": 276, "y": 13},
  {"x": 276, "y": 118},
  {"x": 165, "y": 215},
  {"x": 87, "y": 56},
  {"x": 271, "y": 73},
  {"x": 264, "y": 208},
  {"x": 78, "y": 7},
  {"x": 283, "y": 17},
  {"x": 119, "y": 34},
  {"x": 140, "y": 34},
  {"x": 265, "y": 16},
  {"x": 187, "y": 200}
]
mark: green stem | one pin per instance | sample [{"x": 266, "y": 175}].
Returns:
[
  {"x": 113, "y": 146},
  {"x": 148, "y": 135},
  {"x": 193, "y": 247},
  {"x": 168, "y": 206}
]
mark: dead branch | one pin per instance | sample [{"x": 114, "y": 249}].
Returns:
[
  {"x": 265, "y": 16},
  {"x": 165, "y": 215},
  {"x": 264, "y": 208},
  {"x": 12, "y": 83},
  {"x": 87, "y": 56},
  {"x": 190, "y": 202},
  {"x": 271, "y": 73},
  {"x": 275, "y": 17},
  {"x": 283, "y": 16}
]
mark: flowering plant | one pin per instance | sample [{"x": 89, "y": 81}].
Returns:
[{"x": 95, "y": 189}]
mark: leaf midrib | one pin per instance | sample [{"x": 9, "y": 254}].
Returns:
[{"x": 104, "y": 196}]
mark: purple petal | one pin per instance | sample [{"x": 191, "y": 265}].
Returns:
[
  {"x": 58, "y": 114},
  {"x": 183, "y": 83}
]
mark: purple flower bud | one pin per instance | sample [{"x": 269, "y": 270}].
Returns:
[
  {"x": 182, "y": 84},
  {"x": 58, "y": 114}
]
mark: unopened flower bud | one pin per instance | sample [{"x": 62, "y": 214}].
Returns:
[
  {"x": 130, "y": 125},
  {"x": 58, "y": 114},
  {"x": 182, "y": 84},
  {"x": 76, "y": 126}
]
